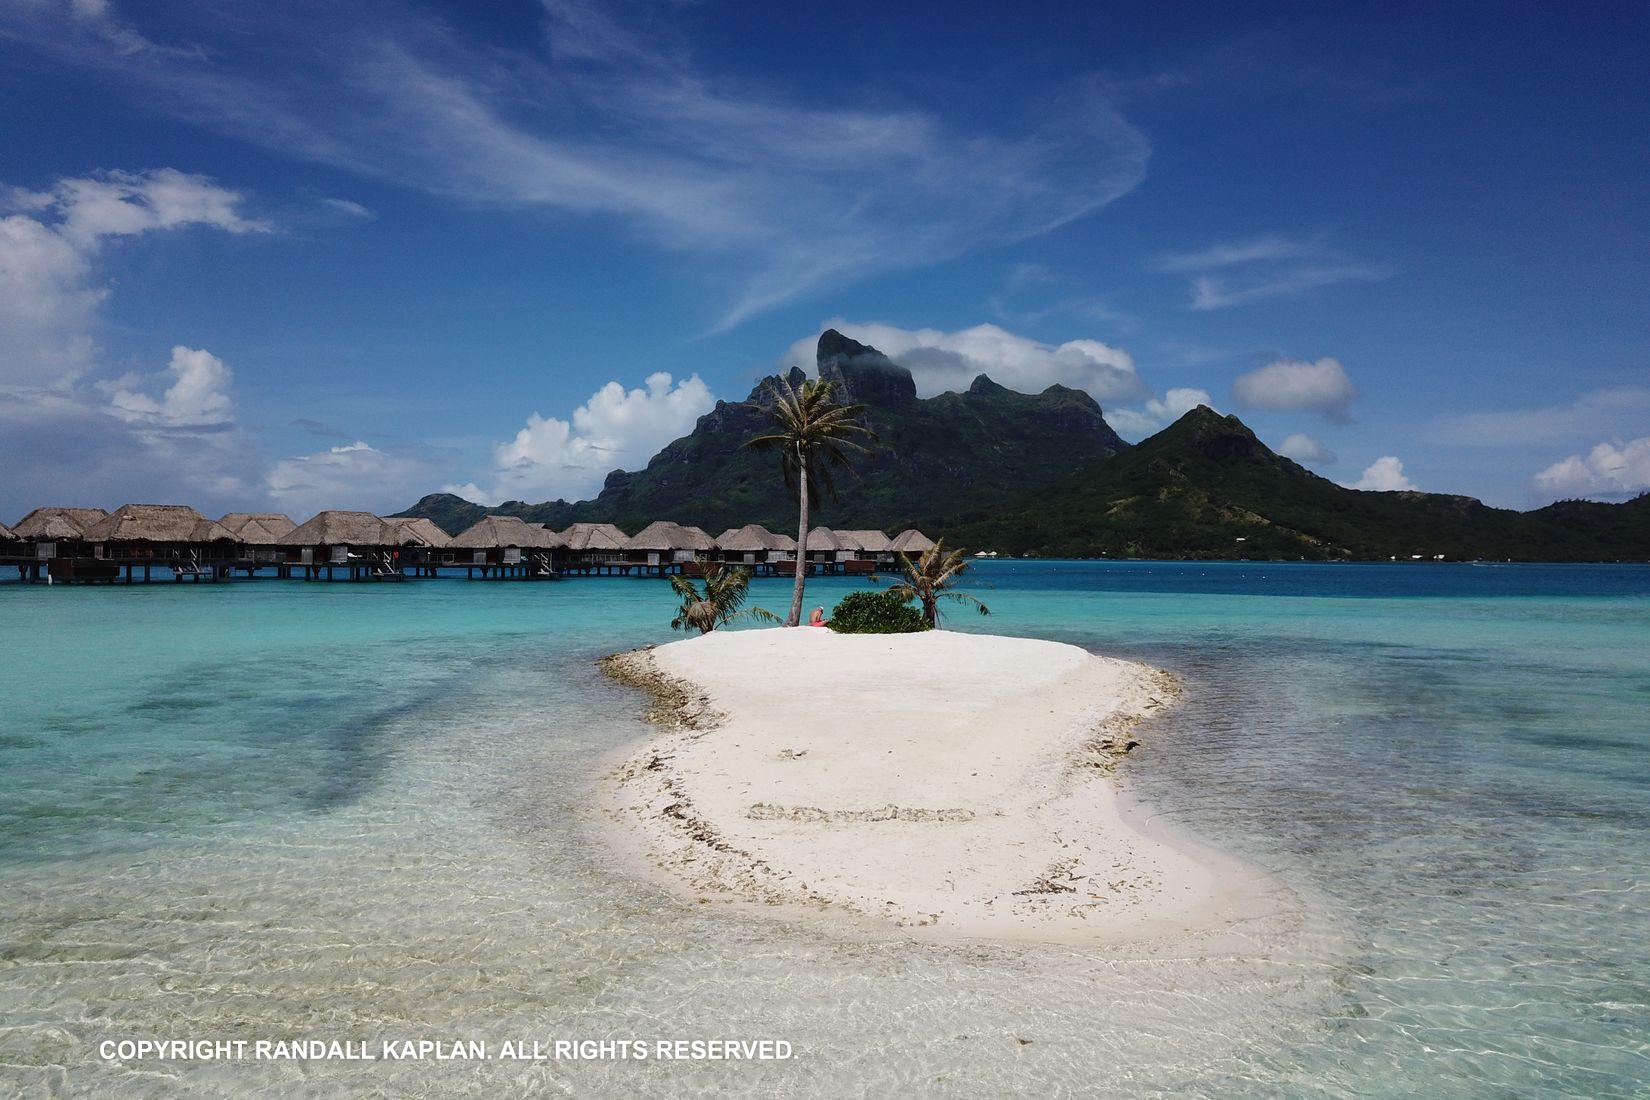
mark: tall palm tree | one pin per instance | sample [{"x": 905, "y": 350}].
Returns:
[
  {"x": 814, "y": 435},
  {"x": 932, "y": 578},
  {"x": 721, "y": 602}
]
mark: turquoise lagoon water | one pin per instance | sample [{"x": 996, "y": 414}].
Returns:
[{"x": 288, "y": 810}]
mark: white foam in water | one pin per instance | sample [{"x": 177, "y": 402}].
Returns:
[{"x": 416, "y": 858}]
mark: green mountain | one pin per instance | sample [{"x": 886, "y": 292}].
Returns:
[
  {"x": 1045, "y": 475},
  {"x": 1206, "y": 487},
  {"x": 941, "y": 462}
]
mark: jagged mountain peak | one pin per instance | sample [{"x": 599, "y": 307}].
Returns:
[{"x": 862, "y": 373}]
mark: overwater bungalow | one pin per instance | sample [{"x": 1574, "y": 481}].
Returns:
[
  {"x": 173, "y": 536},
  {"x": 595, "y": 548},
  {"x": 665, "y": 547},
  {"x": 911, "y": 542},
  {"x": 415, "y": 543},
  {"x": 358, "y": 541},
  {"x": 871, "y": 550},
  {"x": 757, "y": 548},
  {"x": 824, "y": 550},
  {"x": 10, "y": 544},
  {"x": 46, "y": 534},
  {"x": 258, "y": 538},
  {"x": 506, "y": 546}
]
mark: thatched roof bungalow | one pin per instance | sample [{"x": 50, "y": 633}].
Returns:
[
  {"x": 912, "y": 541},
  {"x": 415, "y": 531},
  {"x": 337, "y": 533},
  {"x": 870, "y": 542},
  {"x": 47, "y": 524},
  {"x": 7, "y": 534},
  {"x": 595, "y": 542},
  {"x": 258, "y": 528},
  {"x": 664, "y": 535},
  {"x": 502, "y": 540},
  {"x": 754, "y": 543},
  {"x": 172, "y": 525},
  {"x": 497, "y": 532},
  {"x": 824, "y": 546}
]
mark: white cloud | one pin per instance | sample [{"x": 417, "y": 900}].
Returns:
[
  {"x": 63, "y": 437},
  {"x": 1294, "y": 384},
  {"x": 1158, "y": 411},
  {"x": 352, "y": 208},
  {"x": 941, "y": 361},
  {"x": 617, "y": 429},
  {"x": 1235, "y": 273},
  {"x": 1307, "y": 451},
  {"x": 356, "y": 477},
  {"x": 198, "y": 395},
  {"x": 1595, "y": 413},
  {"x": 1234, "y": 253},
  {"x": 615, "y": 121},
  {"x": 1609, "y": 470},
  {"x": 49, "y": 304},
  {"x": 1384, "y": 475},
  {"x": 67, "y": 447}
]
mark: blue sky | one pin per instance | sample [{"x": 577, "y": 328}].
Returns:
[{"x": 302, "y": 255}]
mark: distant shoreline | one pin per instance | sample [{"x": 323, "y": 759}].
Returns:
[{"x": 941, "y": 786}]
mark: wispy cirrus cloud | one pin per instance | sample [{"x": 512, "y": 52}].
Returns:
[
  {"x": 1234, "y": 273},
  {"x": 614, "y": 117}
]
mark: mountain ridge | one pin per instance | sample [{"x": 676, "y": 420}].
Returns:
[{"x": 1045, "y": 475}]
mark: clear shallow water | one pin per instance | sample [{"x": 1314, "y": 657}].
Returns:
[{"x": 277, "y": 810}]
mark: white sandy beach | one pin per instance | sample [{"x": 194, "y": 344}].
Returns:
[{"x": 950, "y": 786}]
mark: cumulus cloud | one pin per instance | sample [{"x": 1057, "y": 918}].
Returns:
[
  {"x": 1157, "y": 412},
  {"x": 1611, "y": 471},
  {"x": 1236, "y": 273},
  {"x": 49, "y": 245},
  {"x": 1295, "y": 385},
  {"x": 198, "y": 394},
  {"x": 619, "y": 119},
  {"x": 941, "y": 361},
  {"x": 72, "y": 447},
  {"x": 67, "y": 436},
  {"x": 1384, "y": 475},
  {"x": 1307, "y": 451},
  {"x": 356, "y": 477},
  {"x": 617, "y": 429}
]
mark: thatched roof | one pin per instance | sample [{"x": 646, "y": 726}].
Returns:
[
  {"x": 335, "y": 528},
  {"x": 871, "y": 541},
  {"x": 156, "y": 523},
  {"x": 66, "y": 523},
  {"x": 6, "y": 532},
  {"x": 496, "y": 532},
  {"x": 594, "y": 536},
  {"x": 664, "y": 535},
  {"x": 753, "y": 536},
  {"x": 823, "y": 538},
  {"x": 912, "y": 541},
  {"x": 415, "y": 531},
  {"x": 258, "y": 528}
]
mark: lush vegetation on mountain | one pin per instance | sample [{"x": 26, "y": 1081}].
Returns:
[
  {"x": 1207, "y": 487},
  {"x": 940, "y": 461},
  {"x": 1044, "y": 474}
]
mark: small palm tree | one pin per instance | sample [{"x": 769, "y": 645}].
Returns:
[
  {"x": 814, "y": 436},
  {"x": 932, "y": 578},
  {"x": 721, "y": 602}
]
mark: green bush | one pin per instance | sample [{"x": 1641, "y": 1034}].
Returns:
[{"x": 876, "y": 613}]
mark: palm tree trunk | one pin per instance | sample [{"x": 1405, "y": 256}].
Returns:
[{"x": 795, "y": 618}]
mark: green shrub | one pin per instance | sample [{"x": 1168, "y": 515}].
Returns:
[{"x": 876, "y": 613}]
